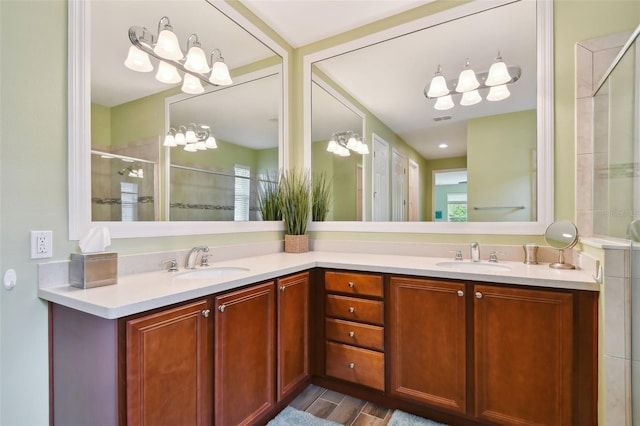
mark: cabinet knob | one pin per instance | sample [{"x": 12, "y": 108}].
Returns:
[
  {"x": 351, "y": 285},
  {"x": 352, "y": 365},
  {"x": 460, "y": 293},
  {"x": 478, "y": 295},
  {"x": 352, "y": 309},
  {"x": 283, "y": 288},
  {"x": 206, "y": 312},
  {"x": 221, "y": 308},
  {"x": 352, "y": 334}
]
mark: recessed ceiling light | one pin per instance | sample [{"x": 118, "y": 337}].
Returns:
[{"x": 443, "y": 145}]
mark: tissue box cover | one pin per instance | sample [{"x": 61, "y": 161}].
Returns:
[{"x": 88, "y": 270}]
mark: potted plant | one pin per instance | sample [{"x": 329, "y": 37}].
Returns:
[
  {"x": 321, "y": 196},
  {"x": 269, "y": 199},
  {"x": 295, "y": 204}
]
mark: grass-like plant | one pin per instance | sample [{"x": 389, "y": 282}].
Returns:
[
  {"x": 321, "y": 196},
  {"x": 295, "y": 201},
  {"x": 269, "y": 199}
]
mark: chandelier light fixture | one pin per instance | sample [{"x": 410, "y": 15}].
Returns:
[
  {"x": 469, "y": 84},
  {"x": 342, "y": 143},
  {"x": 167, "y": 51},
  {"x": 193, "y": 137}
]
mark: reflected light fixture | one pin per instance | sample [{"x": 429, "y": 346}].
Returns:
[
  {"x": 172, "y": 60},
  {"x": 469, "y": 84},
  {"x": 194, "y": 137},
  {"x": 342, "y": 143}
]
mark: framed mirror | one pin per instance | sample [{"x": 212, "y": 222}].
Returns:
[
  {"x": 119, "y": 169},
  {"x": 504, "y": 148}
]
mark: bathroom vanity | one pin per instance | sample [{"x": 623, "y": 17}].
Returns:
[{"x": 460, "y": 346}]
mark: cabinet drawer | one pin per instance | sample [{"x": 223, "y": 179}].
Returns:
[
  {"x": 360, "y": 284},
  {"x": 353, "y": 333},
  {"x": 352, "y": 308},
  {"x": 361, "y": 366}
]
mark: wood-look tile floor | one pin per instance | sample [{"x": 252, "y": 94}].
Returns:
[{"x": 340, "y": 408}]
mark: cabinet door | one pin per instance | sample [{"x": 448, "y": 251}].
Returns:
[
  {"x": 293, "y": 332},
  {"x": 244, "y": 355},
  {"x": 168, "y": 367},
  {"x": 523, "y": 355},
  {"x": 427, "y": 348}
]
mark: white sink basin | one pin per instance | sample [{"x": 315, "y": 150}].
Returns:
[
  {"x": 474, "y": 266},
  {"x": 209, "y": 273}
]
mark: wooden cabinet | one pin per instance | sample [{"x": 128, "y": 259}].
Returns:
[
  {"x": 523, "y": 355},
  {"x": 168, "y": 366},
  {"x": 293, "y": 333},
  {"x": 245, "y": 353},
  {"x": 354, "y": 328},
  {"x": 428, "y": 346}
]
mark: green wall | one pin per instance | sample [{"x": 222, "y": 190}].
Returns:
[{"x": 34, "y": 170}]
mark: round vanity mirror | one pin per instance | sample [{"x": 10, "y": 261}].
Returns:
[{"x": 561, "y": 235}]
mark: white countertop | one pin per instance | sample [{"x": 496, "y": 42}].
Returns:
[{"x": 141, "y": 292}]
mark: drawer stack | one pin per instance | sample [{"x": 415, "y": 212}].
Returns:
[{"x": 354, "y": 328}]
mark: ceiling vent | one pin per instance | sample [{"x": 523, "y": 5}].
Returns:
[{"x": 442, "y": 118}]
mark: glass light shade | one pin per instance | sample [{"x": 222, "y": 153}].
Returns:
[
  {"x": 200, "y": 146},
  {"x": 220, "y": 74},
  {"x": 352, "y": 143},
  {"x": 197, "y": 61},
  {"x": 498, "y": 93},
  {"x": 168, "y": 46},
  {"x": 167, "y": 74},
  {"x": 344, "y": 152},
  {"x": 333, "y": 146},
  {"x": 140, "y": 173},
  {"x": 438, "y": 87},
  {"x": 170, "y": 140},
  {"x": 190, "y": 136},
  {"x": 210, "y": 143},
  {"x": 137, "y": 60},
  {"x": 498, "y": 74},
  {"x": 470, "y": 98},
  {"x": 444, "y": 103},
  {"x": 192, "y": 85},
  {"x": 364, "y": 149},
  {"x": 467, "y": 81},
  {"x": 190, "y": 147},
  {"x": 180, "y": 139}
]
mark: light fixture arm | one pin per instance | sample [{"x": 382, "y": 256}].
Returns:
[
  {"x": 138, "y": 42},
  {"x": 167, "y": 24},
  {"x": 191, "y": 42}
]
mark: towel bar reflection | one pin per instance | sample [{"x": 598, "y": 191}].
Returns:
[{"x": 499, "y": 208}]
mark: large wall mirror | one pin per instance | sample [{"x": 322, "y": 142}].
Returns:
[
  {"x": 485, "y": 167},
  {"x": 122, "y": 175}
]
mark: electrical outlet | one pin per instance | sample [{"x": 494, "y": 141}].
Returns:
[{"x": 41, "y": 244}]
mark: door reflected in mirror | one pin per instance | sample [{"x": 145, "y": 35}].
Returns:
[{"x": 495, "y": 140}]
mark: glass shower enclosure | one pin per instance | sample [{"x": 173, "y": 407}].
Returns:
[{"x": 616, "y": 190}]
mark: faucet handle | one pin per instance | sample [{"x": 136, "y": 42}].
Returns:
[
  {"x": 458, "y": 254},
  {"x": 493, "y": 256},
  {"x": 204, "y": 260},
  {"x": 173, "y": 264}
]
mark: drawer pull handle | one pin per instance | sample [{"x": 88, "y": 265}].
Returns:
[
  {"x": 351, "y": 285},
  {"x": 205, "y": 313},
  {"x": 352, "y": 334},
  {"x": 352, "y": 365},
  {"x": 352, "y": 309},
  {"x": 221, "y": 308},
  {"x": 460, "y": 293},
  {"x": 478, "y": 295}
]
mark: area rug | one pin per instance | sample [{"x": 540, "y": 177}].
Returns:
[
  {"x": 400, "y": 418},
  {"x": 292, "y": 417}
]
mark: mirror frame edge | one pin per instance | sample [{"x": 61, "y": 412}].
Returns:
[
  {"x": 544, "y": 118},
  {"x": 79, "y": 132}
]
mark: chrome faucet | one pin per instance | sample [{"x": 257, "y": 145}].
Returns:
[
  {"x": 193, "y": 256},
  {"x": 475, "y": 252}
]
